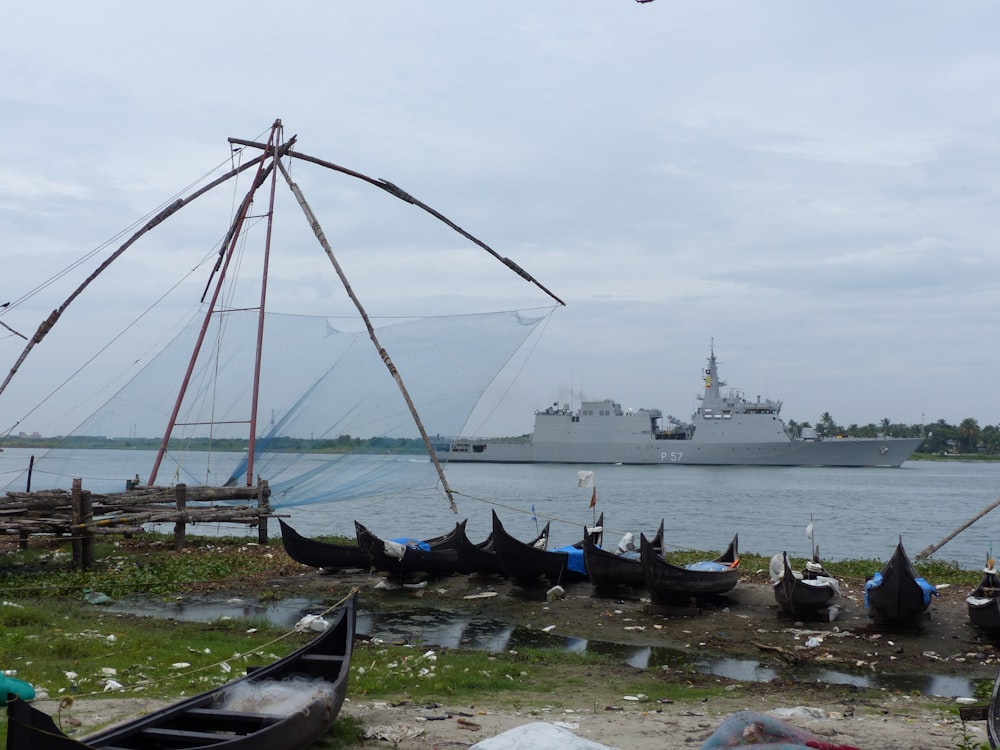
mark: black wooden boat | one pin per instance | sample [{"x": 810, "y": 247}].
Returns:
[
  {"x": 609, "y": 570},
  {"x": 669, "y": 583},
  {"x": 897, "y": 594},
  {"x": 984, "y": 601},
  {"x": 481, "y": 559},
  {"x": 807, "y": 593},
  {"x": 435, "y": 557},
  {"x": 234, "y": 716},
  {"x": 317, "y": 554},
  {"x": 993, "y": 715},
  {"x": 526, "y": 565}
]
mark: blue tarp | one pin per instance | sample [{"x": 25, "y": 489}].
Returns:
[
  {"x": 876, "y": 581},
  {"x": 708, "y": 565},
  {"x": 575, "y": 559},
  {"x": 412, "y": 543}
]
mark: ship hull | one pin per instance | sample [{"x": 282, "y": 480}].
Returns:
[{"x": 847, "y": 452}]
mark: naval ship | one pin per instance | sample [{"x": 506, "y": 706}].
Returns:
[{"x": 725, "y": 430}]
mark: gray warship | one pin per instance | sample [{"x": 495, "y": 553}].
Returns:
[{"x": 725, "y": 430}]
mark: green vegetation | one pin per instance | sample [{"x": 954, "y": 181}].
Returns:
[
  {"x": 341, "y": 444},
  {"x": 160, "y": 571},
  {"x": 380, "y": 670},
  {"x": 71, "y": 649},
  {"x": 940, "y": 438}
]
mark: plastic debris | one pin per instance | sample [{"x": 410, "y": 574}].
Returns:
[
  {"x": 535, "y": 735},
  {"x": 17, "y": 687},
  {"x": 394, "y": 733},
  {"x": 312, "y": 622},
  {"x": 95, "y": 597}
]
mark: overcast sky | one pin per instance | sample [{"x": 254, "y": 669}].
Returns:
[{"x": 813, "y": 186}]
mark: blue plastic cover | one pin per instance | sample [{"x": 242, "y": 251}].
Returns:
[
  {"x": 876, "y": 580},
  {"x": 412, "y": 543},
  {"x": 575, "y": 559},
  {"x": 708, "y": 565}
]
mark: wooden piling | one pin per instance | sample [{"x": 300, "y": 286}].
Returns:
[
  {"x": 263, "y": 495},
  {"x": 83, "y": 537},
  {"x": 180, "y": 526}
]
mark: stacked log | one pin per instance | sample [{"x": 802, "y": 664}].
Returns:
[{"x": 81, "y": 514}]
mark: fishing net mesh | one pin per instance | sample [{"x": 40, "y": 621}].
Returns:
[{"x": 332, "y": 421}]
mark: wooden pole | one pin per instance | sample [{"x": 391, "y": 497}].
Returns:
[
  {"x": 87, "y": 534},
  {"x": 180, "y": 495},
  {"x": 77, "y": 509},
  {"x": 935, "y": 547},
  {"x": 263, "y": 507}
]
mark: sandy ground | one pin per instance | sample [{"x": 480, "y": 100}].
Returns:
[
  {"x": 894, "y": 723},
  {"x": 901, "y": 723}
]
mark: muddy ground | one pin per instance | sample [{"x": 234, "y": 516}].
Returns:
[{"x": 746, "y": 624}]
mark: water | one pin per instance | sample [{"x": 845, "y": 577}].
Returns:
[{"x": 857, "y": 513}]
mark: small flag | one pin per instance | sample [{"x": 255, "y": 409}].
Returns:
[
  {"x": 593, "y": 498},
  {"x": 533, "y": 516},
  {"x": 809, "y": 531},
  {"x": 584, "y": 479}
]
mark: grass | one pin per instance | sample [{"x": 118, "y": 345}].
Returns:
[
  {"x": 67, "y": 648},
  {"x": 158, "y": 570},
  {"x": 512, "y": 678}
]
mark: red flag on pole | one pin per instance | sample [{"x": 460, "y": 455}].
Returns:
[{"x": 593, "y": 498}]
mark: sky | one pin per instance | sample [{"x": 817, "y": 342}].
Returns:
[{"x": 812, "y": 188}]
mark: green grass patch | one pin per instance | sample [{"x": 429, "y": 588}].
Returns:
[
  {"x": 395, "y": 673},
  {"x": 155, "y": 570},
  {"x": 65, "y": 647}
]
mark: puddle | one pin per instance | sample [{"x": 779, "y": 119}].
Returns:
[{"x": 453, "y": 630}]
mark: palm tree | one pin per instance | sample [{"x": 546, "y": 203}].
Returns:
[{"x": 969, "y": 431}]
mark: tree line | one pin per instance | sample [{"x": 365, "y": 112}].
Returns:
[{"x": 939, "y": 436}]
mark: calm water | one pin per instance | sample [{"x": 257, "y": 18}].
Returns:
[{"x": 857, "y": 513}]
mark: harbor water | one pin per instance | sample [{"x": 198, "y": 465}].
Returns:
[{"x": 856, "y": 513}]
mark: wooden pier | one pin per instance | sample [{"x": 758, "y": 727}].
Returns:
[{"x": 82, "y": 515}]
